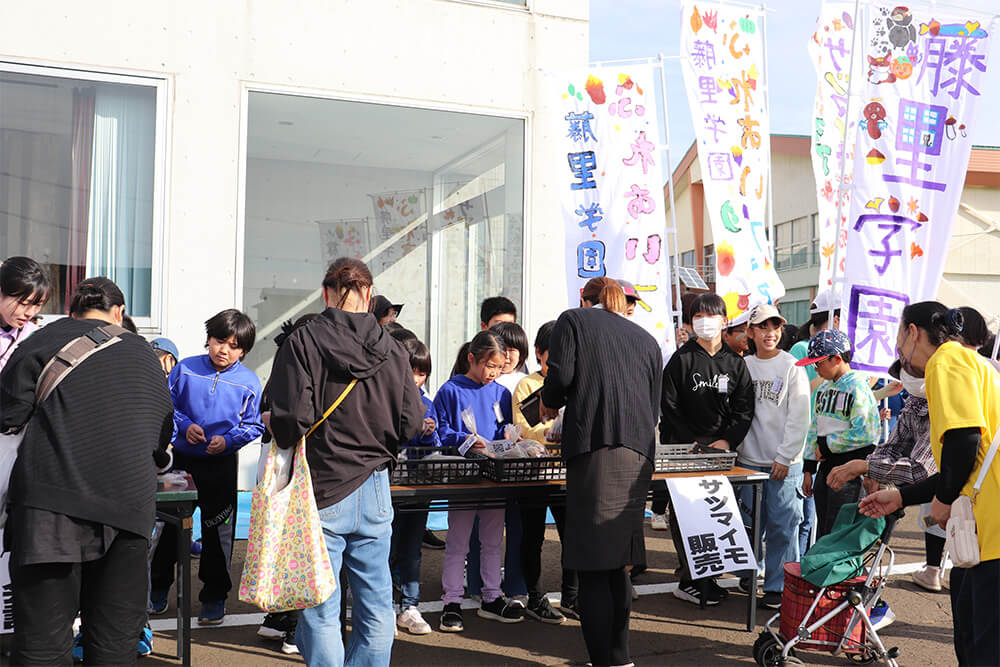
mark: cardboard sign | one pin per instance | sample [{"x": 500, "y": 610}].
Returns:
[{"x": 715, "y": 540}]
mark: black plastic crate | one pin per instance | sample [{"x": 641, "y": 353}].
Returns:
[
  {"x": 525, "y": 470},
  {"x": 435, "y": 465},
  {"x": 678, "y": 458}
]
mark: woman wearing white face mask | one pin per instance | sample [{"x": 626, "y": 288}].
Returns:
[{"x": 904, "y": 458}]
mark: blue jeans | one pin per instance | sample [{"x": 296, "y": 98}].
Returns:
[
  {"x": 407, "y": 540},
  {"x": 358, "y": 532},
  {"x": 780, "y": 514},
  {"x": 808, "y": 518}
]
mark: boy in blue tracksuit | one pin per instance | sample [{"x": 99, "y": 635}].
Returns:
[
  {"x": 216, "y": 412},
  {"x": 408, "y": 528}
]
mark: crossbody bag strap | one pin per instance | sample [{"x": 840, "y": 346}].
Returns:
[
  {"x": 987, "y": 462},
  {"x": 71, "y": 355},
  {"x": 336, "y": 403}
]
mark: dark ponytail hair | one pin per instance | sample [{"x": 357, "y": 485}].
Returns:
[
  {"x": 940, "y": 323},
  {"x": 24, "y": 278},
  {"x": 513, "y": 337},
  {"x": 485, "y": 345},
  {"x": 347, "y": 275},
  {"x": 461, "y": 366},
  {"x": 98, "y": 293},
  {"x": 975, "y": 333}
]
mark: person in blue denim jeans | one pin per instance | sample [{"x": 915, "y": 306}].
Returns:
[
  {"x": 774, "y": 445},
  {"x": 349, "y": 454}
]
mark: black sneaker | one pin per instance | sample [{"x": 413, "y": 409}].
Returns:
[
  {"x": 570, "y": 608},
  {"x": 770, "y": 600},
  {"x": 451, "y": 619},
  {"x": 690, "y": 592},
  {"x": 502, "y": 610},
  {"x": 276, "y": 625},
  {"x": 746, "y": 583},
  {"x": 541, "y": 610},
  {"x": 719, "y": 591},
  {"x": 432, "y": 541}
]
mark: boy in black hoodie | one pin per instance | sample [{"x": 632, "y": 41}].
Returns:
[{"x": 707, "y": 398}]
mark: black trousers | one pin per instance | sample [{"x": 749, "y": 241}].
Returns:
[
  {"x": 828, "y": 501},
  {"x": 976, "y": 614},
  {"x": 605, "y": 606},
  {"x": 109, "y": 593},
  {"x": 933, "y": 549},
  {"x": 532, "y": 539},
  {"x": 659, "y": 505},
  {"x": 216, "y": 482}
]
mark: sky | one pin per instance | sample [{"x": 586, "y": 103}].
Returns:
[{"x": 622, "y": 29}]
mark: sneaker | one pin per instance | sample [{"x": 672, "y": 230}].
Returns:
[
  {"x": 276, "y": 625},
  {"x": 689, "y": 592},
  {"x": 542, "y": 610},
  {"x": 501, "y": 610},
  {"x": 718, "y": 590},
  {"x": 635, "y": 593},
  {"x": 451, "y": 619},
  {"x": 636, "y": 570},
  {"x": 432, "y": 541},
  {"x": 411, "y": 621},
  {"x": 658, "y": 522},
  {"x": 745, "y": 584},
  {"x": 570, "y": 608},
  {"x": 196, "y": 549},
  {"x": 929, "y": 578},
  {"x": 212, "y": 613},
  {"x": 145, "y": 642},
  {"x": 157, "y": 602},
  {"x": 770, "y": 600},
  {"x": 880, "y": 615},
  {"x": 288, "y": 645}
]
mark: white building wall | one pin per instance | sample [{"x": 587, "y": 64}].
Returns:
[{"x": 465, "y": 56}]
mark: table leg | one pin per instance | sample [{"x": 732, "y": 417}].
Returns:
[
  {"x": 758, "y": 489},
  {"x": 184, "y": 591}
]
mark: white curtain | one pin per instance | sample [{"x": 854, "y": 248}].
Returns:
[{"x": 120, "y": 232}]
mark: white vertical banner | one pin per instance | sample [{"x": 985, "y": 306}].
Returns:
[
  {"x": 832, "y": 139},
  {"x": 722, "y": 58},
  {"x": 611, "y": 187},
  {"x": 6, "y": 593},
  {"x": 715, "y": 540},
  {"x": 926, "y": 71}
]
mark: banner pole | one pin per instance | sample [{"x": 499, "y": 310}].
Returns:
[
  {"x": 770, "y": 164},
  {"x": 843, "y": 166},
  {"x": 673, "y": 202}
]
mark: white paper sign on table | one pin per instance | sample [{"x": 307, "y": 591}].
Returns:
[{"x": 715, "y": 540}]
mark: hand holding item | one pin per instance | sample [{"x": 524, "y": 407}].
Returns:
[
  {"x": 216, "y": 445},
  {"x": 881, "y": 503},
  {"x": 195, "y": 435},
  {"x": 940, "y": 512},
  {"x": 870, "y": 485},
  {"x": 429, "y": 426},
  {"x": 546, "y": 412},
  {"x": 885, "y": 414}
]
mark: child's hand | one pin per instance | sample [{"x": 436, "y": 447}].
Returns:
[
  {"x": 807, "y": 484},
  {"x": 195, "y": 434},
  {"x": 216, "y": 445},
  {"x": 778, "y": 471},
  {"x": 720, "y": 444},
  {"x": 885, "y": 414},
  {"x": 429, "y": 426}
]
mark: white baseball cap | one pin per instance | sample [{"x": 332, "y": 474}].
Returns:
[{"x": 825, "y": 301}]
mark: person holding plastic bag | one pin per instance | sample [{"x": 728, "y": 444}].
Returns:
[
  {"x": 83, "y": 491},
  {"x": 24, "y": 289},
  {"x": 349, "y": 455},
  {"x": 963, "y": 398},
  {"x": 607, "y": 371}
]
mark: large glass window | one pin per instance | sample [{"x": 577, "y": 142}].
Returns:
[
  {"x": 78, "y": 168},
  {"x": 796, "y": 243},
  {"x": 432, "y": 201}
]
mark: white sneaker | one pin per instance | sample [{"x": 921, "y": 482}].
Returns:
[
  {"x": 928, "y": 578},
  {"x": 658, "y": 522},
  {"x": 411, "y": 621}
]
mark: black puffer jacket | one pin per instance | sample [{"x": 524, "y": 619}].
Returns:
[{"x": 384, "y": 409}]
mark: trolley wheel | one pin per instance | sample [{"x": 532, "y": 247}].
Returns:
[
  {"x": 866, "y": 656},
  {"x": 767, "y": 652}
]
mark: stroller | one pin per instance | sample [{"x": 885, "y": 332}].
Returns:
[{"x": 832, "y": 618}]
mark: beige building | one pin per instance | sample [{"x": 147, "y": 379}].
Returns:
[{"x": 972, "y": 272}]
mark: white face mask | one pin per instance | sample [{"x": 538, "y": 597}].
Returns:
[
  {"x": 707, "y": 327},
  {"x": 913, "y": 386}
]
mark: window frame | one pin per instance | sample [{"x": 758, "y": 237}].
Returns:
[
  {"x": 248, "y": 87},
  {"x": 163, "y": 85}
]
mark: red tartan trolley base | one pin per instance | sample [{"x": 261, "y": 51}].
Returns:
[{"x": 797, "y": 606}]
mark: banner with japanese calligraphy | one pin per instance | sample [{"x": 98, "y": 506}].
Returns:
[
  {"x": 611, "y": 187},
  {"x": 722, "y": 59},
  {"x": 830, "y": 51},
  {"x": 926, "y": 69},
  {"x": 715, "y": 540}
]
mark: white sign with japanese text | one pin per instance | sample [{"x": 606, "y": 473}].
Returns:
[
  {"x": 722, "y": 59},
  {"x": 611, "y": 187},
  {"x": 926, "y": 69},
  {"x": 6, "y": 593},
  {"x": 715, "y": 540}
]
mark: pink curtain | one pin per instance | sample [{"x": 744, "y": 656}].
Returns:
[{"x": 82, "y": 158}]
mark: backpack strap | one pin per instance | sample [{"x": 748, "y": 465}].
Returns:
[{"x": 72, "y": 355}]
